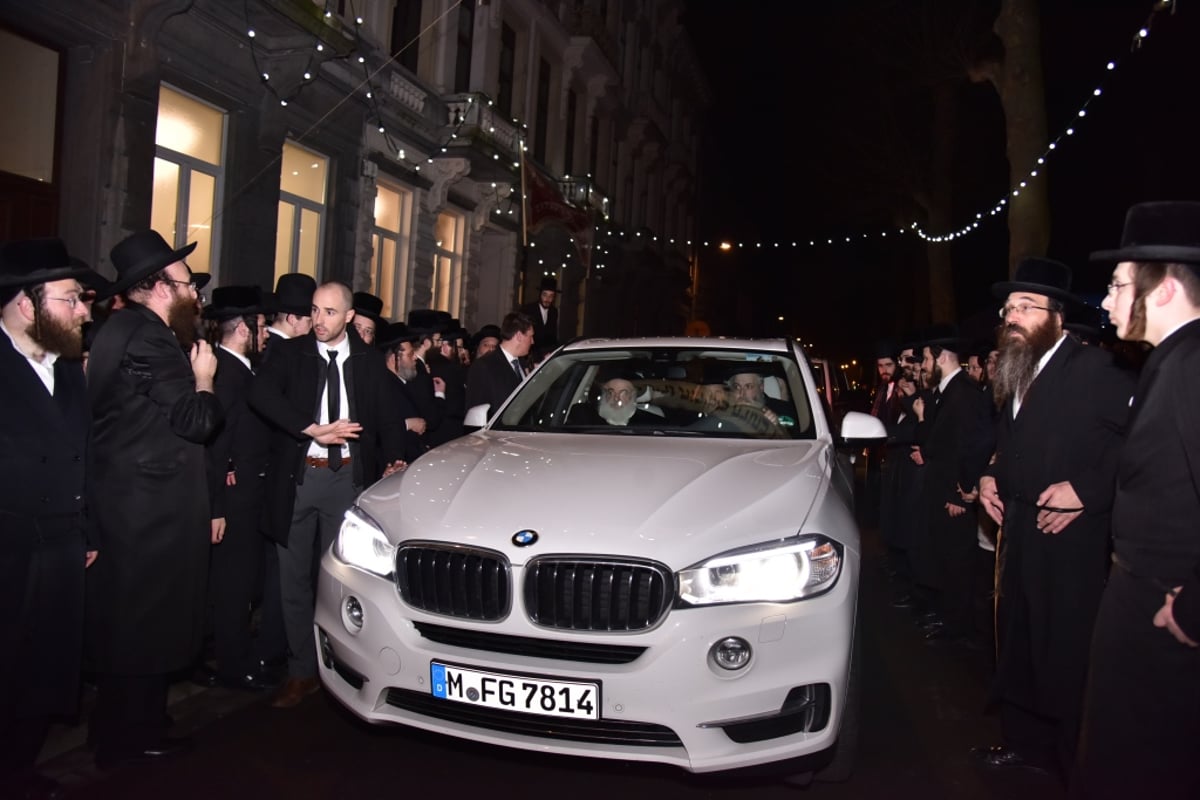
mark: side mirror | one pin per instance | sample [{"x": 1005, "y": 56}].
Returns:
[
  {"x": 861, "y": 430},
  {"x": 477, "y": 416}
]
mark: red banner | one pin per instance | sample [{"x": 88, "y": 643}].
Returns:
[{"x": 545, "y": 205}]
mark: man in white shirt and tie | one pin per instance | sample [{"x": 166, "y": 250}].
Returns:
[{"x": 493, "y": 377}]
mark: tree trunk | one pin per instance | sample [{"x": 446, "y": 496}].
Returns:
[
  {"x": 941, "y": 267},
  {"x": 1020, "y": 84}
]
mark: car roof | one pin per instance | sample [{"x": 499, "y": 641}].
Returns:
[{"x": 691, "y": 342}]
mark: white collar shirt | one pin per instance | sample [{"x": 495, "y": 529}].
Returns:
[
  {"x": 342, "y": 349},
  {"x": 44, "y": 369}
]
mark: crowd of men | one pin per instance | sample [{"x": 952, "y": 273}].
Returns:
[
  {"x": 1039, "y": 500},
  {"x": 173, "y": 466},
  {"x": 157, "y": 484}
]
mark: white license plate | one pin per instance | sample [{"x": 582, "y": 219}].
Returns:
[{"x": 522, "y": 693}]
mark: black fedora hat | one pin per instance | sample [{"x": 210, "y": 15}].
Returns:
[
  {"x": 1039, "y": 276},
  {"x": 392, "y": 334},
  {"x": 946, "y": 336},
  {"x": 369, "y": 306},
  {"x": 428, "y": 320},
  {"x": 32, "y": 261},
  {"x": 1159, "y": 231},
  {"x": 140, "y": 255},
  {"x": 293, "y": 294},
  {"x": 549, "y": 284},
  {"x": 234, "y": 301},
  {"x": 486, "y": 332}
]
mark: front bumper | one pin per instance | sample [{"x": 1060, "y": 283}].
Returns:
[{"x": 669, "y": 704}]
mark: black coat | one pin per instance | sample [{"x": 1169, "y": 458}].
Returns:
[
  {"x": 242, "y": 442},
  {"x": 149, "y": 497},
  {"x": 545, "y": 334},
  {"x": 901, "y": 480},
  {"x": 43, "y": 448},
  {"x": 956, "y": 439},
  {"x": 1069, "y": 429},
  {"x": 287, "y": 391},
  {"x": 455, "y": 403},
  {"x": 491, "y": 380}
]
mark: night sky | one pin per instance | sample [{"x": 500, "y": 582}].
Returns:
[{"x": 821, "y": 125}]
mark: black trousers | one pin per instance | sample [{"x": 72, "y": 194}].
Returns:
[
  {"x": 954, "y": 544},
  {"x": 234, "y": 574},
  {"x": 130, "y": 713}
]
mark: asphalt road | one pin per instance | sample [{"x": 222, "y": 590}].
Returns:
[{"x": 921, "y": 706}]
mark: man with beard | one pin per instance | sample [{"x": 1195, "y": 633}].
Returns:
[
  {"x": 331, "y": 403},
  {"x": 1142, "y": 710},
  {"x": 544, "y": 315},
  {"x": 44, "y": 422},
  {"x": 956, "y": 438},
  {"x": 237, "y": 466},
  {"x": 1062, "y": 414},
  {"x": 153, "y": 408},
  {"x": 900, "y": 481},
  {"x": 401, "y": 361},
  {"x": 616, "y": 405}
]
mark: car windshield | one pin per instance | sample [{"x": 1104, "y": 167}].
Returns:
[{"x": 665, "y": 391}]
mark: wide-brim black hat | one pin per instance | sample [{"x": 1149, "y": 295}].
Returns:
[
  {"x": 140, "y": 255},
  {"x": 947, "y": 337},
  {"x": 428, "y": 320},
  {"x": 29, "y": 262},
  {"x": 486, "y": 332},
  {"x": 369, "y": 306},
  {"x": 293, "y": 295},
  {"x": 548, "y": 284},
  {"x": 234, "y": 301},
  {"x": 392, "y": 334},
  {"x": 1039, "y": 276},
  {"x": 1159, "y": 231}
]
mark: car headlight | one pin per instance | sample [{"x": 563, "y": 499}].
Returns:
[
  {"x": 781, "y": 572},
  {"x": 360, "y": 543}
]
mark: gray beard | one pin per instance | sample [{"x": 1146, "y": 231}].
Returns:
[{"x": 616, "y": 414}]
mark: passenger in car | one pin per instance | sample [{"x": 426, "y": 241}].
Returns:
[
  {"x": 616, "y": 405},
  {"x": 746, "y": 388}
]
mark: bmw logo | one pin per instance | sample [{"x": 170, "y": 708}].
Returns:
[{"x": 524, "y": 538}]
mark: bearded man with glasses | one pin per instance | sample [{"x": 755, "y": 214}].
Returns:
[{"x": 1062, "y": 408}]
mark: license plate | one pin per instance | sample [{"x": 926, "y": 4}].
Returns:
[{"x": 524, "y": 693}]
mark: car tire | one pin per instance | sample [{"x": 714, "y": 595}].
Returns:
[{"x": 841, "y": 767}]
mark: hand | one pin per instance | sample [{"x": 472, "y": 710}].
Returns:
[
  {"x": 1061, "y": 496},
  {"x": 989, "y": 498},
  {"x": 771, "y": 416},
  {"x": 1165, "y": 618},
  {"x": 439, "y": 385},
  {"x": 919, "y": 409},
  {"x": 916, "y": 456},
  {"x": 90, "y": 558},
  {"x": 416, "y": 425},
  {"x": 955, "y": 510},
  {"x": 218, "y": 530},
  {"x": 334, "y": 432},
  {"x": 204, "y": 365},
  {"x": 968, "y": 497},
  {"x": 231, "y": 478},
  {"x": 907, "y": 388},
  {"x": 395, "y": 466}
]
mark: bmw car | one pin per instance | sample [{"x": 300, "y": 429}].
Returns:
[{"x": 648, "y": 553}]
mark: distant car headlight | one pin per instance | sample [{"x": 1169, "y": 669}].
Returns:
[
  {"x": 792, "y": 569},
  {"x": 360, "y": 543}
]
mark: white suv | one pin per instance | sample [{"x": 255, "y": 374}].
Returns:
[{"x": 649, "y": 553}]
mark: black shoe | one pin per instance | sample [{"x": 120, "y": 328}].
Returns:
[
  {"x": 165, "y": 748},
  {"x": 928, "y": 617},
  {"x": 250, "y": 682},
  {"x": 204, "y": 675},
  {"x": 1000, "y": 757},
  {"x": 935, "y": 633},
  {"x": 929, "y": 627},
  {"x": 905, "y": 601}
]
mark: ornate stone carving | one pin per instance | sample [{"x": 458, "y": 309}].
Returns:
[{"x": 444, "y": 172}]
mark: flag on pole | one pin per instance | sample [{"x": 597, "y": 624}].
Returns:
[{"x": 545, "y": 205}]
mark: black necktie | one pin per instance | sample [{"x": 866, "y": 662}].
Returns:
[
  {"x": 333, "y": 396},
  {"x": 517, "y": 369},
  {"x": 937, "y": 395}
]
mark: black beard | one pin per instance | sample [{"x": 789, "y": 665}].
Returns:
[
  {"x": 1018, "y": 359},
  {"x": 181, "y": 317},
  {"x": 66, "y": 341}
]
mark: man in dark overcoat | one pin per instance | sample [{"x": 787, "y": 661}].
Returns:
[
  {"x": 493, "y": 376},
  {"x": 1062, "y": 415},
  {"x": 153, "y": 408},
  {"x": 1141, "y": 728},
  {"x": 44, "y": 421},
  {"x": 332, "y": 406},
  {"x": 901, "y": 479},
  {"x": 956, "y": 438},
  {"x": 544, "y": 315}
]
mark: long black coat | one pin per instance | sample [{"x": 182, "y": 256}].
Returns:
[
  {"x": 43, "y": 447},
  {"x": 242, "y": 442},
  {"x": 149, "y": 498},
  {"x": 287, "y": 392},
  {"x": 1069, "y": 429},
  {"x": 490, "y": 380},
  {"x": 545, "y": 334}
]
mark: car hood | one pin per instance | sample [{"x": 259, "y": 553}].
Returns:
[{"x": 674, "y": 500}]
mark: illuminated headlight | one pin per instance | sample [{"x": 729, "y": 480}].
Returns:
[
  {"x": 361, "y": 544},
  {"x": 792, "y": 569}
]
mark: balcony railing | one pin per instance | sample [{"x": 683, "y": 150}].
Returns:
[
  {"x": 475, "y": 119},
  {"x": 584, "y": 21},
  {"x": 582, "y": 192}
]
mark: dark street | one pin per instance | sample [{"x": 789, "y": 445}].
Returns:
[{"x": 921, "y": 711}]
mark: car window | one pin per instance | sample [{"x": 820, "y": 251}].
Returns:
[{"x": 664, "y": 392}]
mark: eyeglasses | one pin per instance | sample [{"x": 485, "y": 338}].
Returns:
[
  {"x": 73, "y": 302},
  {"x": 618, "y": 393},
  {"x": 1021, "y": 309},
  {"x": 192, "y": 284},
  {"x": 1115, "y": 287}
]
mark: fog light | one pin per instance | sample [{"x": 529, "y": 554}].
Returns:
[
  {"x": 353, "y": 614},
  {"x": 732, "y": 653},
  {"x": 326, "y": 649}
]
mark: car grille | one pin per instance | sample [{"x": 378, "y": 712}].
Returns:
[
  {"x": 462, "y": 582},
  {"x": 604, "y": 731},
  {"x": 597, "y": 595},
  {"x": 586, "y": 652}
]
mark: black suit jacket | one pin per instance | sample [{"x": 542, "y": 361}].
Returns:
[
  {"x": 242, "y": 443},
  {"x": 455, "y": 403},
  {"x": 287, "y": 391},
  {"x": 1070, "y": 428},
  {"x": 545, "y": 334},
  {"x": 956, "y": 441},
  {"x": 491, "y": 380}
]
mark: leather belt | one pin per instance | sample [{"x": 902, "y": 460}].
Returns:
[{"x": 323, "y": 463}]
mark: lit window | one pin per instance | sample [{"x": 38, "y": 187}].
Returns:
[
  {"x": 30, "y": 108},
  {"x": 390, "y": 243},
  {"x": 302, "y": 186},
  {"x": 448, "y": 231}
]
